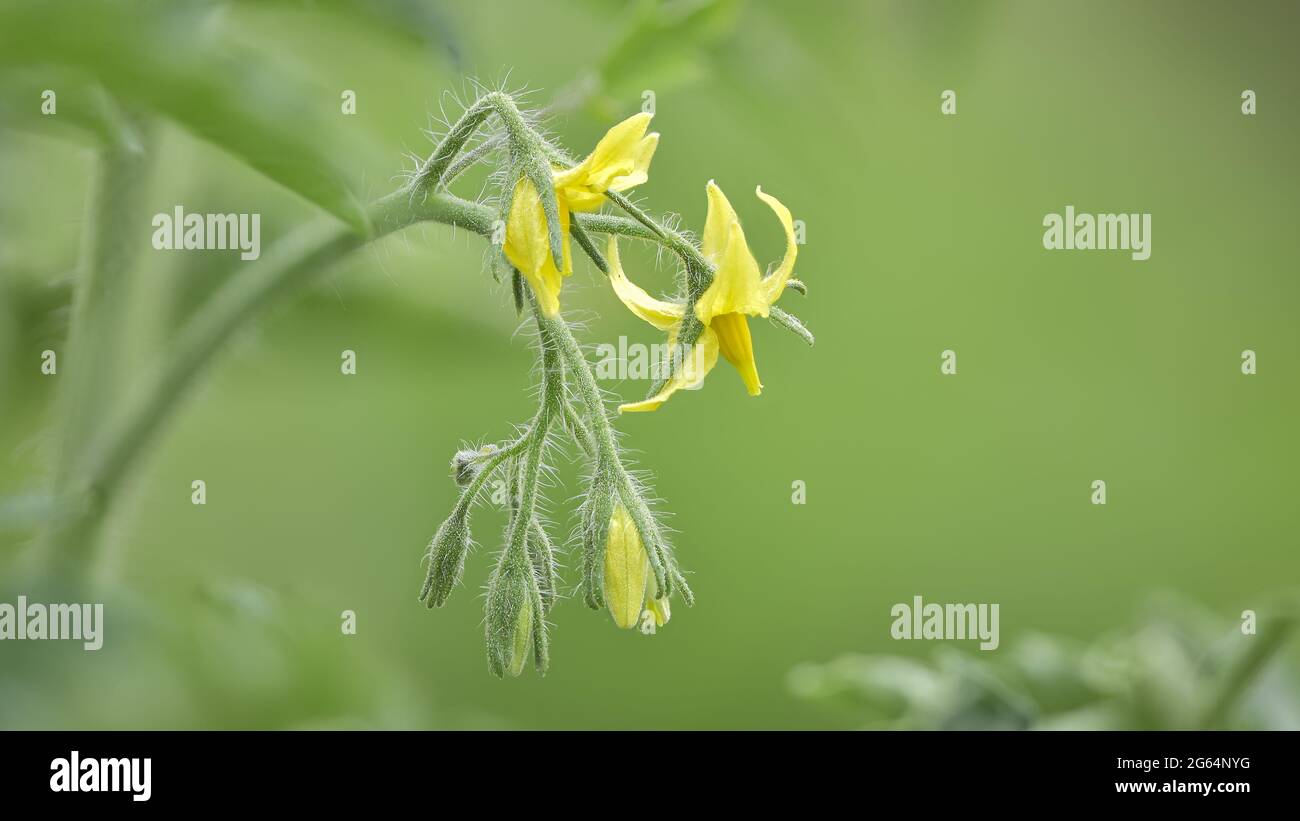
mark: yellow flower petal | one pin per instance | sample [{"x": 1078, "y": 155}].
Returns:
[
  {"x": 663, "y": 315},
  {"x": 618, "y": 152},
  {"x": 528, "y": 245},
  {"x": 645, "y": 152},
  {"x": 626, "y": 569},
  {"x": 689, "y": 373},
  {"x": 774, "y": 284},
  {"x": 736, "y": 286},
  {"x": 621, "y": 160},
  {"x": 737, "y": 347},
  {"x": 717, "y": 223}
]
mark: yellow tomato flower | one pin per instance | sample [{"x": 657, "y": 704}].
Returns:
[
  {"x": 620, "y": 161},
  {"x": 738, "y": 291},
  {"x": 627, "y": 568}
]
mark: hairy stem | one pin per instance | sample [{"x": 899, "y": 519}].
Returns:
[
  {"x": 607, "y": 454},
  {"x": 431, "y": 173}
]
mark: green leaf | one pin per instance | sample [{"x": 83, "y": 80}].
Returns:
[
  {"x": 666, "y": 44},
  {"x": 161, "y": 60}
]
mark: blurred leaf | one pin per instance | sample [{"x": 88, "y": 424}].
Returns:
[
  {"x": 886, "y": 687},
  {"x": 160, "y": 60},
  {"x": 666, "y": 44},
  {"x": 421, "y": 21},
  {"x": 1156, "y": 675},
  {"x": 1050, "y": 671}
]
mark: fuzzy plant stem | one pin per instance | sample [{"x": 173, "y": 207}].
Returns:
[
  {"x": 607, "y": 456},
  {"x": 99, "y": 305}
]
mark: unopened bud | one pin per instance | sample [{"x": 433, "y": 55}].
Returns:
[
  {"x": 467, "y": 464},
  {"x": 509, "y": 620},
  {"x": 626, "y": 569},
  {"x": 446, "y": 560}
]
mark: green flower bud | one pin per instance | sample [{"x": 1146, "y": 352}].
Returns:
[
  {"x": 467, "y": 464},
  {"x": 509, "y": 618},
  {"x": 446, "y": 560}
]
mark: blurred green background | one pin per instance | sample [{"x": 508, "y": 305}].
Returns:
[{"x": 923, "y": 234}]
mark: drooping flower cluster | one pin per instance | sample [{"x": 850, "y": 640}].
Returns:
[{"x": 627, "y": 564}]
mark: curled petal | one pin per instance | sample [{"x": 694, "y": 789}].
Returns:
[
  {"x": 663, "y": 315},
  {"x": 645, "y": 152},
  {"x": 688, "y": 374},
  {"x": 774, "y": 285}
]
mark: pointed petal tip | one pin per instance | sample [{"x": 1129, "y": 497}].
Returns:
[{"x": 644, "y": 406}]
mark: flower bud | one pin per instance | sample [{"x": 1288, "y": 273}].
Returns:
[
  {"x": 509, "y": 620},
  {"x": 626, "y": 568},
  {"x": 446, "y": 560},
  {"x": 467, "y": 464}
]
